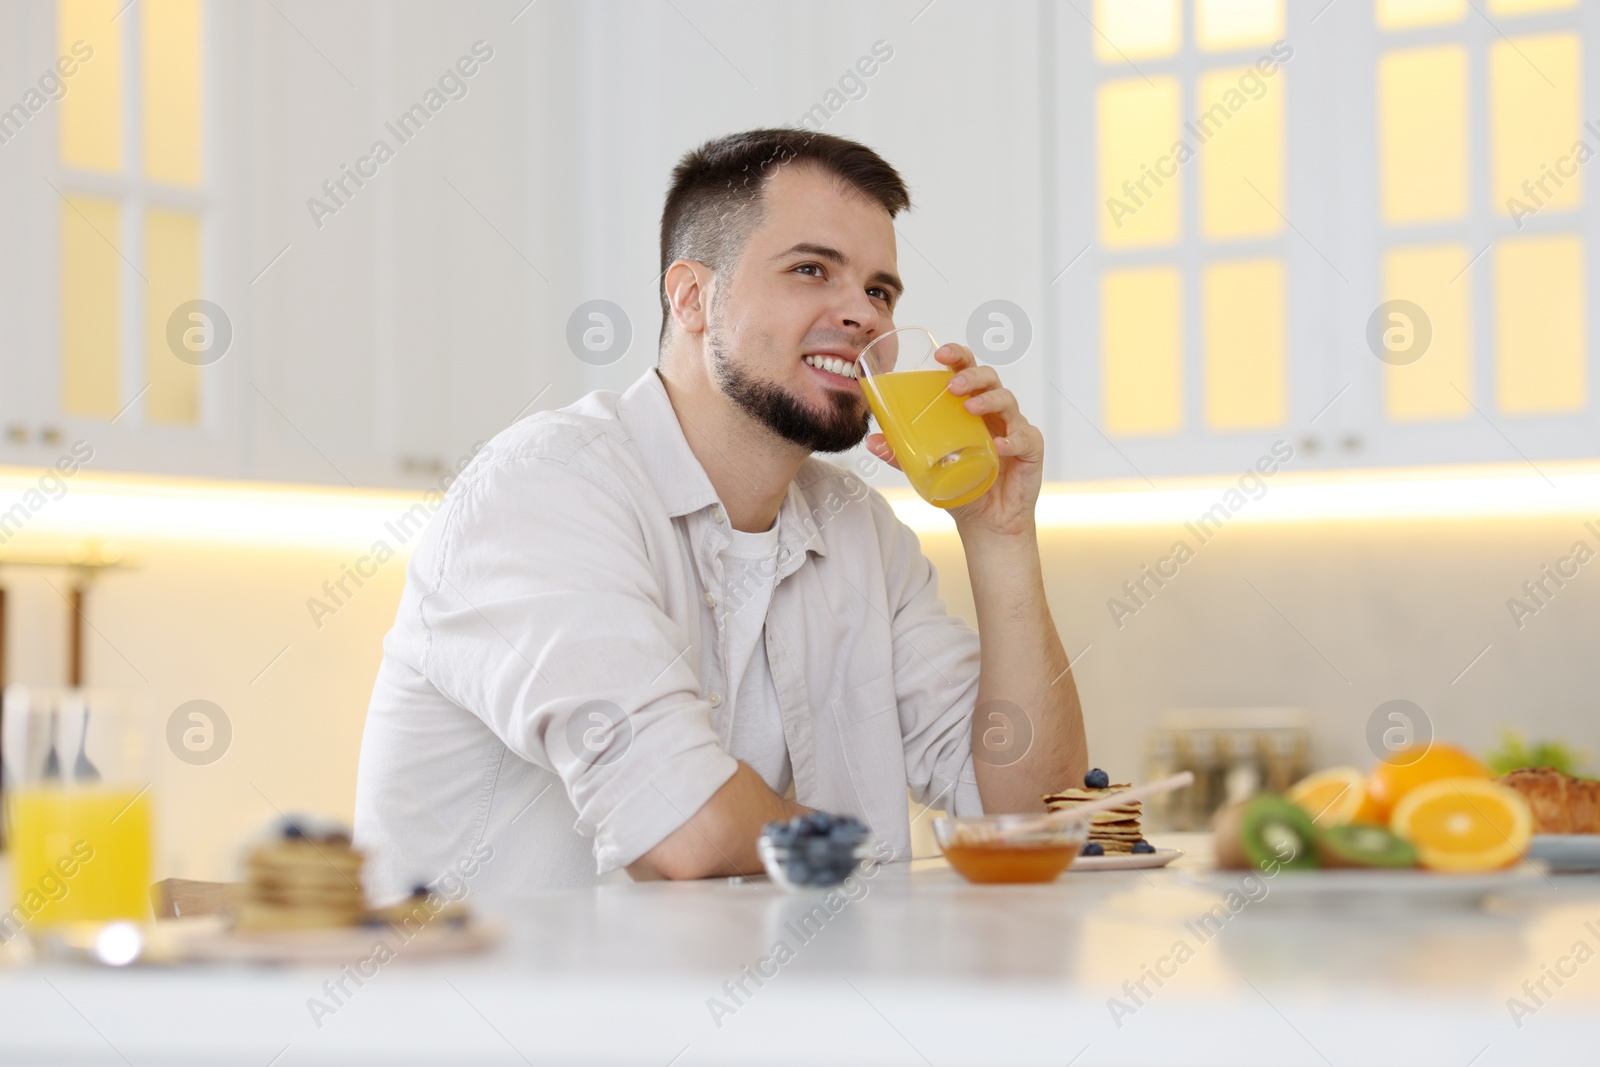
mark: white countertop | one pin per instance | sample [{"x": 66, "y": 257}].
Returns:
[{"x": 921, "y": 969}]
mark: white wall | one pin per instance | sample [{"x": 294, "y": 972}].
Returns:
[{"x": 1370, "y": 612}]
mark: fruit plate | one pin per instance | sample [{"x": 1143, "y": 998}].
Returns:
[
  {"x": 1125, "y": 861},
  {"x": 1367, "y": 890},
  {"x": 1567, "y": 852}
]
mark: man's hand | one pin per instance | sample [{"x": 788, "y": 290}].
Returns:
[{"x": 1007, "y": 508}]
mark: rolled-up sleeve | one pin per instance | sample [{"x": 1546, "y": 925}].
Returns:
[
  {"x": 936, "y": 664},
  {"x": 543, "y": 617}
]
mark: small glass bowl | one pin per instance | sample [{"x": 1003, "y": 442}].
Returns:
[
  {"x": 1012, "y": 848},
  {"x": 777, "y": 859}
]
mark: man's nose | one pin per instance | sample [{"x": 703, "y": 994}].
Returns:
[{"x": 861, "y": 318}]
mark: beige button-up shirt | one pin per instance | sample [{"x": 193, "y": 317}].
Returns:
[{"x": 549, "y": 683}]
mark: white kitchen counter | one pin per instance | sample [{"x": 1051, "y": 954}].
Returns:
[{"x": 921, "y": 969}]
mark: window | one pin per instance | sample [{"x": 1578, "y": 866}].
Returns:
[{"x": 132, "y": 205}]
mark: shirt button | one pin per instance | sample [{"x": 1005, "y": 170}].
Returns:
[
  {"x": 711, "y": 600},
  {"x": 716, "y": 513},
  {"x": 715, "y": 700}
]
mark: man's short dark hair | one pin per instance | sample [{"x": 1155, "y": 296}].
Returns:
[{"x": 715, "y": 201}]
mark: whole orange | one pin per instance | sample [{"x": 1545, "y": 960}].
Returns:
[{"x": 1392, "y": 779}]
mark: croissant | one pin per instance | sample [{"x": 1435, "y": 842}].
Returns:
[{"x": 1560, "y": 804}]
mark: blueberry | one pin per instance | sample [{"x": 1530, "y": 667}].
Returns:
[
  {"x": 818, "y": 822},
  {"x": 818, "y": 848},
  {"x": 1142, "y": 845},
  {"x": 1096, "y": 779},
  {"x": 1094, "y": 848}
]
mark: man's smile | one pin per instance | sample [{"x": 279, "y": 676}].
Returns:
[{"x": 835, "y": 366}]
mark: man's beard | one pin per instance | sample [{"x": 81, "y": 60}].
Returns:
[{"x": 839, "y": 429}]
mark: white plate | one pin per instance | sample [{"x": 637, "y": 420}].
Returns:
[
  {"x": 1125, "y": 861},
  {"x": 1366, "y": 890},
  {"x": 1567, "y": 852}
]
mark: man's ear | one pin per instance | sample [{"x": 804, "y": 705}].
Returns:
[{"x": 688, "y": 288}]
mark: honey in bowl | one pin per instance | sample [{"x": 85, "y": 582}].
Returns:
[
  {"x": 1011, "y": 849},
  {"x": 1000, "y": 862}
]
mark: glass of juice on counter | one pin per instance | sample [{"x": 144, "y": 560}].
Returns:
[
  {"x": 946, "y": 451},
  {"x": 77, "y": 807}
]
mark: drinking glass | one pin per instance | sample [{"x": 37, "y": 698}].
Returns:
[
  {"x": 944, "y": 449},
  {"x": 77, "y": 807}
]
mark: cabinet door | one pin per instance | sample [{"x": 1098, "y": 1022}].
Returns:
[
  {"x": 1465, "y": 150},
  {"x": 1183, "y": 290},
  {"x": 117, "y": 338},
  {"x": 1376, "y": 299}
]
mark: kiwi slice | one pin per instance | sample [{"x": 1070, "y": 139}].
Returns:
[
  {"x": 1265, "y": 833},
  {"x": 1363, "y": 845}
]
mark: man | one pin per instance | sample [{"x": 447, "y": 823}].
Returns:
[{"x": 644, "y": 625}]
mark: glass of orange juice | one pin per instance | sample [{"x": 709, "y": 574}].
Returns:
[
  {"x": 946, "y": 451},
  {"x": 77, "y": 808}
]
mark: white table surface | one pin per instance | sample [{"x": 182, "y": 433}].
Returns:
[{"x": 923, "y": 969}]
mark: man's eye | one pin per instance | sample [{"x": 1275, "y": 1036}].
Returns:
[
  {"x": 809, "y": 267},
  {"x": 879, "y": 294}
]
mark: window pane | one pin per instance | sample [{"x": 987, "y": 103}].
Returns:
[
  {"x": 1534, "y": 119},
  {"x": 91, "y": 111},
  {"x": 170, "y": 82},
  {"x": 1136, "y": 29},
  {"x": 172, "y": 258},
  {"x": 1141, "y": 351},
  {"x": 1138, "y": 125},
  {"x": 1246, "y": 381},
  {"x": 1432, "y": 278},
  {"x": 1539, "y": 336},
  {"x": 90, "y": 266},
  {"x": 1522, "y": 7},
  {"x": 1399, "y": 14},
  {"x": 1422, "y": 133},
  {"x": 1222, "y": 24},
  {"x": 1239, "y": 136}
]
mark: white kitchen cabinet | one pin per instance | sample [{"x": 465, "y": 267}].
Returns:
[
  {"x": 111, "y": 211},
  {"x": 1332, "y": 243},
  {"x": 376, "y": 343}
]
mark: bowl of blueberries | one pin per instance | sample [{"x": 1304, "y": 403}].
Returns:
[{"x": 815, "y": 850}]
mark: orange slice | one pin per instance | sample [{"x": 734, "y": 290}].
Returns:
[
  {"x": 1335, "y": 797},
  {"x": 1392, "y": 779},
  {"x": 1464, "y": 824}
]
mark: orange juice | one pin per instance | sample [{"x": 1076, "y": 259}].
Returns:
[
  {"x": 80, "y": 854},
  {"x": 945, "y": 450}
]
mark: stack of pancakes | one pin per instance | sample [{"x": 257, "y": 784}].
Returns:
[
  {"x": 305, "y": 877},
  {"x": 1115, "y": 829}
]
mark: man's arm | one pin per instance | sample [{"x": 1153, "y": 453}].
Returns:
[
  {"x": 719, "y": 839},
  {"x": 1026, "y": 694}
]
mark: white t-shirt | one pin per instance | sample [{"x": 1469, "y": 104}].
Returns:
[{"x": 749, "y": 721}]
